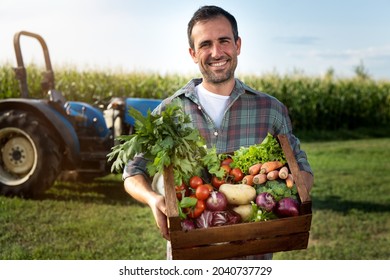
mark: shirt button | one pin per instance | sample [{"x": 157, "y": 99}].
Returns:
[
  {"x": 215, "y": 133},
  {"x": 200, "y": 108}
]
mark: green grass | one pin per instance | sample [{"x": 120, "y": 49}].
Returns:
[
  {"x": 351, "y": 213},
  {"x": 79, "y": 221}
]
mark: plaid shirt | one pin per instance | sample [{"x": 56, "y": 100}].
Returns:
[{"x": 248, "y": 117}]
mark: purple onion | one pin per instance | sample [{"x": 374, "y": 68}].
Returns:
[
  {"x": 287, "y": 207},
  {"x": 216, "y": 201},
  {"x": 266, "y": 201}
]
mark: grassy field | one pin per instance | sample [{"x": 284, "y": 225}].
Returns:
[{"x": 351, "y": 213}]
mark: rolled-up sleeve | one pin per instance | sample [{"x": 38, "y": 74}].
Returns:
[
  {"x": 135, "y": 167},
  {"x": 300, "y": 155}
]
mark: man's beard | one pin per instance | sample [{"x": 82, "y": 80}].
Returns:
[{"x": 217, "y": 78}]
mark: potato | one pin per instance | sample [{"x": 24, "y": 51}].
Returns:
[
  {"x": 245, "y": 211},
  {"x": 238, "y": 194}
]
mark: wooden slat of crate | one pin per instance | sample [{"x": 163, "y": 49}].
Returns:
[
  {"x": 227, "y": 250},
  {"x": 242, "y": 231},
  {"x": 237, "y": 240}
]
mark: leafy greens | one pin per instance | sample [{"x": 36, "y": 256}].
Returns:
[
  {"x": 165, "y": 139},
  {"x": 268, "y": 150}
]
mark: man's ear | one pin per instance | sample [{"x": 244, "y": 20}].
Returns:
[
  {"x": 238, "y": 45},
  {"x": 193, "y": 55}
]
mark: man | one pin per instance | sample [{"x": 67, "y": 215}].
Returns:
[{"x": 227, "y": 113}]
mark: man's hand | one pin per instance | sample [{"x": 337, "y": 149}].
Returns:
[{"x": 158, "y": 207}]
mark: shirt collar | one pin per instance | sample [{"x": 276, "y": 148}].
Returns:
[{"x": 189, "y": 89}]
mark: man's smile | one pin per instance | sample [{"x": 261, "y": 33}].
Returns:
[{"x": 218, "y": 63}]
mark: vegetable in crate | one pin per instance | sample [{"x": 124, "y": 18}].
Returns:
[
  {"x": 266, "y": 201},
  {"x": 278, "y": 189},
  {"x": 217, "y": 218},
  {"x": 290, "y": 181},
  {"x": 245, "y": 211},
  {"x": 268, "y": 150},
  {"x": 216, "y": 201},
  {"x": 287, "y": 207},
  {"x": 270, "y": 166},
  {"x": 283, "y": 172},
  {"x": 248, "y": 180},
  {"x": 238, "y": 194},
  {"x": 255, "y": 169},
  {"x": 188, "y": 224}
]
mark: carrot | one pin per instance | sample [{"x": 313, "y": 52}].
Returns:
[
  {"x": 283, "y": 172},
  {"x": 273, "y": 175},
  {"x": 270, "y": 166},
  {"x": 255, "y": 169},
  {"x": 260, "y": 179},
  {"x": 248, "y": 180},
  {"x": 289, "y": 181}
]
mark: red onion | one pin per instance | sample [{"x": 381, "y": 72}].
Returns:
[
  {"x": 287, "y": 207},
  {"x": 216, "y": 202},
  {"x": 266, "y": 201}
]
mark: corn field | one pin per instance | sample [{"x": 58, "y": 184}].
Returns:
[{"x": 314, "y": 103}]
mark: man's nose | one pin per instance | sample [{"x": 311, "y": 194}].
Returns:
[{"x": 216, "y": 51}]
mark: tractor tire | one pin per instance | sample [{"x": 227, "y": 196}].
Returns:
[{"x": 30, "y": 157}]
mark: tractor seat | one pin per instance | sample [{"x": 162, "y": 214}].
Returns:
[{"x": 57, "y": 97}]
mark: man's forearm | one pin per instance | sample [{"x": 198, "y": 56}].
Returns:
[{"x": 138, "y": 188}]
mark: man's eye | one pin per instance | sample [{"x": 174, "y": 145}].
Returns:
[{"x": 204, "y": 45}]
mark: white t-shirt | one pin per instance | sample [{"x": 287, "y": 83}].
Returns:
[{"x": 213, "y": 104}]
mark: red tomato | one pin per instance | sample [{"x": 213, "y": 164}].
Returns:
[
  {"x": 181, "y": 191},
  {"x": 237, "y": 174},
  {"x": 210, "y": 187},
  {"x": 195, "y": 181},
  {"x": 227, "y": 168},
  {"x": 227, "y": 161},
  {"x": 216, "y": 182},
  {"x": 196, "y": 211},
  {"x": 203, "y": 191}
]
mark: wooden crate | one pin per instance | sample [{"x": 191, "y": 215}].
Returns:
[{"x": 242, "y": 239}]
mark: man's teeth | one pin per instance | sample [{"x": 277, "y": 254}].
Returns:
[{"x": 217, "y": 64}]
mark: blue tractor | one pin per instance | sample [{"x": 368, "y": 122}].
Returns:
[{"x": 42, "y": 139}]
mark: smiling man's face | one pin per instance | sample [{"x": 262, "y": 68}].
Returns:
[{"x": 215, "y": 50}]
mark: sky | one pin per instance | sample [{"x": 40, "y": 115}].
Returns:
[{"x": 277, "y": 35}]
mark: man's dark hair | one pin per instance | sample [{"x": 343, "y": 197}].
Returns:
[{"x": 206, "y": 13}]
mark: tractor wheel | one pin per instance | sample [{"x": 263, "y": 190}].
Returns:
[{"x": 30, "y": 157}]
